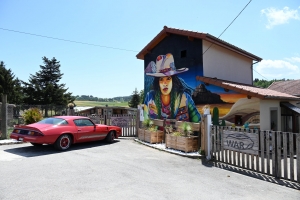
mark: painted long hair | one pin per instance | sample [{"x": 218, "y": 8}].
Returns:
[{"x": 178, "y": 88}]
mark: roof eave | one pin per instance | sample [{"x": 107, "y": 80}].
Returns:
[
  {"x": 204, "y": 36},
  {"x": 147, "y": 49},
  {"x": 282, "y": 98}
]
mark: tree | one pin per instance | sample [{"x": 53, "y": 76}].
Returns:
[
  {"x": 265, "y": 83},
  {"x": 16, "y": 96},
  {"x": 7, "y": 89},
  {"x": 9, "y": 85},
  {"x": 44, "y": 87},
  {"x": 135, "y": 99},
  {"x": 142, "y": 96}
]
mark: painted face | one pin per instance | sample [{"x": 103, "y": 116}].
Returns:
[{"x": 165, "y": 84}]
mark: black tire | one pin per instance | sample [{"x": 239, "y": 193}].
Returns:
[
  {"x": 36, "y": 144},
  {"x": 110, "y": 137},
  {"x": 63, "y": 142}
]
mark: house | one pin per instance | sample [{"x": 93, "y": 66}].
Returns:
[
  {"x": 187, "y": 70},
  {"x": 203, "y": 53},
  {"x": 290, "y": 113},
  {"x": 291, "y": 87},
  {"x": 104, "y": 110},
  {"x": 264, "y": 108}
]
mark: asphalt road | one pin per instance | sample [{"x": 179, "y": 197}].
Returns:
[{"x": 122, "y": 170}]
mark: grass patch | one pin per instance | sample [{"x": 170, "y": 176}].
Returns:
[{"x": 99, "y": 103}]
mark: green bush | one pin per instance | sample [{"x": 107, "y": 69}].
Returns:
[{"x": 32, "y": 115}]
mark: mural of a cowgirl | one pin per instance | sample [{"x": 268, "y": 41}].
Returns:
[{"x": 169, "y": 96}]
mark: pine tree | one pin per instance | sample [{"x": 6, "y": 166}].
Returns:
[
  {"x": 142, "y": 96},
  {"x": 135, "y": 99},
  {"x": 44, "y": 87},
  {"x": 9, "y": 85}
]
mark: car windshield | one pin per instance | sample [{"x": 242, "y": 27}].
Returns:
[{"x": 54, "y": 121}]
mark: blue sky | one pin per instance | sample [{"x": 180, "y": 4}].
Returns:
[{"x": 269, "y": 29}]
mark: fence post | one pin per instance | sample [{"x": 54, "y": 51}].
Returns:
[
  {"x": 203, "y": 132},
  {"x": 278, "y": 155},
  {"x": 4, "y": 117},
  {"x": 207, "y": 137},
  {"x": 137, "y": 125},
  {"x": 71, "y": 112},
  {"x": 298, "y": 157}
]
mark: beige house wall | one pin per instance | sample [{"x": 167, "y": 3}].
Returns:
[
  {"x": 265, "y": 114},
  {"x": 225, "y": 64}
]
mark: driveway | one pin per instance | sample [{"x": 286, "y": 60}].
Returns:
[{"x": 122, "y": 170}]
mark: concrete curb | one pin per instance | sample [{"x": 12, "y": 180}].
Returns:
[
  {"x": 10, "y": 141},
  {"x": 172, "y": 151}
]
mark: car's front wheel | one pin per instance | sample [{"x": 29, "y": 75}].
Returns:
[
  {"x": 63, "y": 142},
  {"x": 110, "y": 137}
]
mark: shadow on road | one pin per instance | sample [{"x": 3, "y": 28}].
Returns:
[
  {"x": 34, "y": 151},
  {"x": 252, "y": 174}
]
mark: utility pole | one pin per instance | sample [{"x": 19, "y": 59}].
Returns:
[{"x": 4, "y": 117}]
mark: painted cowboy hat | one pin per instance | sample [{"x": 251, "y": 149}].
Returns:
[{"x": 164, "y": 66}]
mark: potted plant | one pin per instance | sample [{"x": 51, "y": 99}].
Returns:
[
  {"x": 71, "y": 105},
  {"x": 141, "y": 132},
  {"x": 150, "y": 133},
  {"x": 171, "y": 136},
  {"x": 182, "y": 139}
]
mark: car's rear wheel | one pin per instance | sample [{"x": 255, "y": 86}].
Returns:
[
  {"x": 63, "y": 142},
  {"x": 36, "y": 144},
  {"x": 110, "y": 137}
]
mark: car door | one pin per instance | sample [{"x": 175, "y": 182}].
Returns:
[{"x": 86, "y": 130}]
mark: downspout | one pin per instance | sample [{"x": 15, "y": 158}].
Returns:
[{"x": 252, "y": 71}]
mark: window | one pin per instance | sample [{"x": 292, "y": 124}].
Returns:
[
  {"x": 83, "y": 122},
  {"x": 238, "y": 120},
  {"x": 54, "y": 121},
  {"x": 183, "y": 54}
]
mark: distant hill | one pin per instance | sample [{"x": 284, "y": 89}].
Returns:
[
  {"x": 98, "y": 103},
  {"x": 124, "y": 98},
  {"x": 92, "y": 98}
]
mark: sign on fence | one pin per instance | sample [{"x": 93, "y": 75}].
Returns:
[
  {"x": 120, "y": 121},
  {"x": 241, "y": 141}
]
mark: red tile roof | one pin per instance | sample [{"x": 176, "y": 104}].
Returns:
[
  {"x": 249, "y": 90},
  {"x": 191, "y": 35},
  {"x": 291, "y": 87}
]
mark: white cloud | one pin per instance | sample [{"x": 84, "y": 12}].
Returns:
[
  {"x": 295, "y": 59},
  {"x": 277, "y": 17},
  {"x": 278, "y": 69}
]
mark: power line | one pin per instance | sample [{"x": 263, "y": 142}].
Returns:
[
  {"x": 90, "y": 44},
  {"x": 228, "y": 25},
  {"x": 73, "y": 41},
  {"x": 108, "y": 47},
  {"x": 260, "y": 74}
]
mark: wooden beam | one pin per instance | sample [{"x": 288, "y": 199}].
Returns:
[{"x": 191, "y": 38}]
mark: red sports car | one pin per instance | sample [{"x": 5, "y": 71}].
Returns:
[{"x": 62, "y": 131}]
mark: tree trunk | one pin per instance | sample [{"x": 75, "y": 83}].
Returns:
[
  {"x": 4, "y": 117},
  {"x": 46, "y": 111}
]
